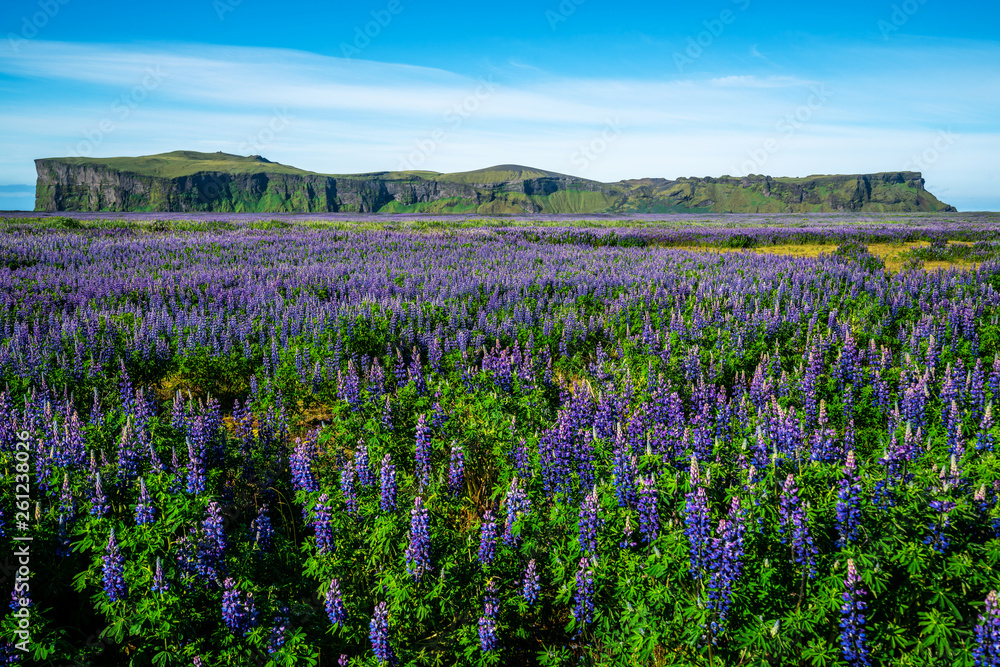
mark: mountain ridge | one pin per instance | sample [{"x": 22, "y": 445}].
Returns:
[{"x": 181, "y": 181}]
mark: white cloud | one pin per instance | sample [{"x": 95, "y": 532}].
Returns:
[{"x": 357, "y": 116}]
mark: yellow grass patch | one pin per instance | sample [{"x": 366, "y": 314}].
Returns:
[{"x": 893, "y": 254}]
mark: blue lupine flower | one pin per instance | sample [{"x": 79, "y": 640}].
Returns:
[
  {"x": 99, "y": 506},
  {"x": 517, "y": 505},
  {"x": 649, "y": 519},
  {"x": 423, "y": 452},
  {"x": 725, "y": 563},
  {"x": 589, "y": 524},
  {"x": 624, "y": 470},
  {"x": 849, "y": 504},
  {"x": 114, "y": 571},
  {"x": 488, "y": 539},
  {"x": 488, "y": 640},
  {"x": 853, "y": 641},
  {"x": 362, "y": 465},
  {"x": 418, "y": 553},
  {"x": 583, "y": 609},
  {"x": 793, "y": 518},
  {"x": 196, "y": 469},
  {"x": 456, "y": 470},
  {"x": 334, "y": 604},
  {"x": 145, "y": 512},
  {"x": 261, "y": 530},
  {"x": 279, "y": 628},
  {"x": 696, "y": 518},
  {"x": 322, "y": 523},
  {"x": 379, "y": 635},
  {"x": 987, "y": 650},
  {"x": 238, "y": 611},
  {"x": 160, "y": 585},
  {"x": 938, "y": 537},
  {"x": 300, "y": 462},
  {"x": 387, "y": 501},
  {"x": 347, "y": 488},
  {"x": 532, "y": 587}
]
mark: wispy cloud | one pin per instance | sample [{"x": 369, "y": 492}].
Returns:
[{"x": 356, "y": 116}]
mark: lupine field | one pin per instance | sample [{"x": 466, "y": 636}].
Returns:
[{"x": 286, "y": 443}]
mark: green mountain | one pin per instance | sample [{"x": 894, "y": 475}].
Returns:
[{"x": 191, "y": 181}]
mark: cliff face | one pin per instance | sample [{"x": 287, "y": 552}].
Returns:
[{"x": 255, "y": 185}]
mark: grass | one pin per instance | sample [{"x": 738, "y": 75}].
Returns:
[{"x": 895, "y": 255}]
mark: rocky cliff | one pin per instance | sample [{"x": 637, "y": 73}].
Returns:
[{"x": 189, "y": 181}]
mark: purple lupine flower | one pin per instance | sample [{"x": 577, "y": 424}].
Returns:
[
  {"x": 423, "y": 455},
  {"x": 334, "y": 604},
  {"x": 261, "y": 530},
  {"x": 387, "y": 414},
  {"x": 202, "y": 552},
  {"x": 849, "y": 504},
  {"x": 488, "y": 640},
  {"x": 517, "y": 505},
  {"x": 522, "y": 459},
  {"x": 985, "y": 440},
  {"x": 696, "y": 518},
  {"x": 418, "y": 553},
  {"x": 303, "y": 478},
  {"x": 938, "y": 538},
  {"x": 196, "y": 469},
  {"x": 793, "y": 518},
  {"x": 649, "y": 519},
  {"x": 62, "y": 538},
  {"x": 279, "y": 628},
  {"x": 456, "y": 470},
  {"x": 589, "y": 523},
  {"x": 128, "y": 456},
  {"x": 160, "y": 585},
  {"x": 145, "y": 512},
  {"x": 322, "y": 523},
  {"x": 114, "y": 571},
  {"x": 343, "y": 660},
  {"x": 987, "y": 650},
  {"x": 362, "y": 465},
  {"x": 239, "y": 612},
  {"x": 440, "y": 417},
  {"x": 67, "y": 505},
  {"x": 488, "y": 539},
  {"x": 99, "y": 501},
  {"x": 387, "y": 501},
  {"x": 853, "y": 641},
  {"x": 532, "y": 586},
  {"x": 583, "y": 609},
  {"x": 624, "y": 472},
  {"x": 379, "y": 635},
  {"x": 347, "y": 488},
  {"x": 725, "y": 563}
]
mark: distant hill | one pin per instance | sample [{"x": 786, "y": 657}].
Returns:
[{"x": 191, "y": 181}]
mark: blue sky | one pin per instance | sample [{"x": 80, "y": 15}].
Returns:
[{"x": 598, "y": 89}]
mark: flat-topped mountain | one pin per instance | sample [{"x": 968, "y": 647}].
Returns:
[{"x": 191, "y": 181}]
